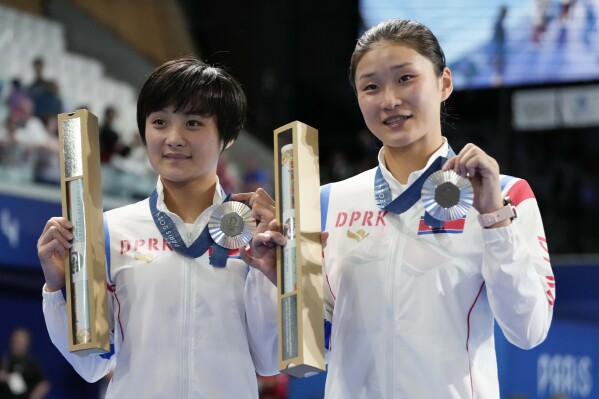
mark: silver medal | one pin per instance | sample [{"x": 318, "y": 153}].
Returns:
[
  {"x": 231, "y": 225},
  {"x": 447, "y": 195}
]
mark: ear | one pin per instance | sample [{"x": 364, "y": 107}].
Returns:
[{"x": 446, "y": 84}]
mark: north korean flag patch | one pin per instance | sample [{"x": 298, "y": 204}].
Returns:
[{"x": 449, "y": 227}]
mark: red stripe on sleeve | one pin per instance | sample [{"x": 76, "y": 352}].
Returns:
[
  {"x": 550, "y": 297},
  {"x": 520, "y": 191}
]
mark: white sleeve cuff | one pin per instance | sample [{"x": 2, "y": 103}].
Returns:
[{"x": 55, "y": 298}]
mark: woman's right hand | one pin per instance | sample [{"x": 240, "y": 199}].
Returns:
[{"x": 52, "y": 245}]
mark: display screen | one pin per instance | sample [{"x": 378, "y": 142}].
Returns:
[{"x": 491, "y": 43}]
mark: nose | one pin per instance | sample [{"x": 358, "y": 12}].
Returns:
[
  {"x": 391, "y": 98},
  {"x": 175, "y": 137}
]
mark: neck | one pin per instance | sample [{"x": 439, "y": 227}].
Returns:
[
  {"x": 188, "y": 200},
  {"x": 402, "y": 161}
]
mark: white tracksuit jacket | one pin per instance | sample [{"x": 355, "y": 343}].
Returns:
[
  {"x": 412, "y": 310},
  {"x": 182, "y": 328}
]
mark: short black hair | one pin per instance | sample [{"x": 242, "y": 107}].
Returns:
[{"x": 192, "y": 86}]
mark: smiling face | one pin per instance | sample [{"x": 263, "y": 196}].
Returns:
[
  {"x": 400, "y": 96},
  {"x": 183, "y": 148}
]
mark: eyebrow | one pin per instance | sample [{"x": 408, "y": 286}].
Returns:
[
  {"x": 191, "y": 113},
  {"x": 394, "y": 67}
]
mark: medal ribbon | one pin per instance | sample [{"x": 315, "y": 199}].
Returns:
[
  {"x": 169, "y": 232},
  {"x": 407, "y": 199}
]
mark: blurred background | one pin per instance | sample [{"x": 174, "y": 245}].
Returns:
[{"x": 526, "y": 75}]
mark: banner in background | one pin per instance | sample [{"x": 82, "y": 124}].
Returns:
[
  {"x": 578, "y": 106},
  {"x": 22, "y": 220},
  {"x": 24, "y": 211},
  {"x": 565, "y": 364},
  {"x": 556, "y": 108},
  {"x": 534, "y": 109}
]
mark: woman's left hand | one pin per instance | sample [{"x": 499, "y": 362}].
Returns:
[
  {"x": 267, "y": 235},
  {"x": 263, "y": 251},
  {"x": 483, "y": 172},
  {"x": 263, "y": 206}
]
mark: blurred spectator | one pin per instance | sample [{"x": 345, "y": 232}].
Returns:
[
  {"x": 31, "y": 130},
  {"x": 25, "y": 141},
  {"x": 273, "y": 387},
  {"x": 590, "y": 23},
  {"x": 19, "y": 103},
  {"x": 136, "y": 161},
  {"x": 498, "y": 46},
  {"x": 47, "y": 155},
  {"x": 44, "y": 93},
  {"x": 12, "y": 153},
  {"x": 540, "y": 19},
  {"x": 565, "y": 9},
  {"x": 132, "y": 174},
  {"x": 110, "y": 140},
  {"x": 21, "y": 375}
]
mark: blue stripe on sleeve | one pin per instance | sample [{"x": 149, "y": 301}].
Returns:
[
  {"x": 504, "y": 180},
  {"x": 325, "y": 192},
  {"x": 107, "y": 248}
]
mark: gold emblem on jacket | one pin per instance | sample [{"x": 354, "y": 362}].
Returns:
[{"x": 358, "y": 235}]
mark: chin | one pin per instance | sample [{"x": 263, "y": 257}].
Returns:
[
  {"x": 398, "y": 143},
  {"x": 174, "y": 177}
]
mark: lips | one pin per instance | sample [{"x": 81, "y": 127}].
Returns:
[
  {"x": 176, "y": 156},
  {"x": 395, "y": 120}
]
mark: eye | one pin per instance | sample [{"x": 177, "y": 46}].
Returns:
[
  {"x": 405, "y": 78},
  {"x": 370, "y": 87},
  {"x": 158, "y": 122},
  {"x": 194, "y": 123}
]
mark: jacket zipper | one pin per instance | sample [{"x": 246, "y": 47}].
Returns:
[
  {"x": 391, "y": 324},
  {"x": 185, "y": 336}
]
